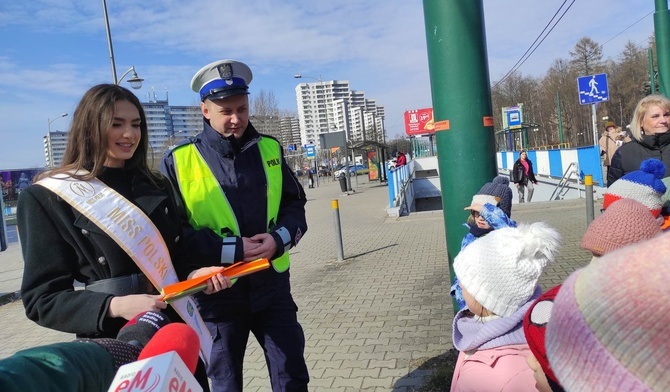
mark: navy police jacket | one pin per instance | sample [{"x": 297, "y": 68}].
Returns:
[{"x": 238, "y": 166}]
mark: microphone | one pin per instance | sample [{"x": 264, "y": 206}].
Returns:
[
  {"x": 174, "y": 337},
  {"x": 166, "y": 363},
  {"x": 141, "y": 328}
]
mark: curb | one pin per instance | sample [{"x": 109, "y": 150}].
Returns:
[{"x": 7, "y": 298}]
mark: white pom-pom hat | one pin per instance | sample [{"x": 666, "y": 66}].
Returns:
[{"x": 501, "y": 269}]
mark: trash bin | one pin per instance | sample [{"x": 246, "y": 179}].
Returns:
[{"x": 343, "y": 182}]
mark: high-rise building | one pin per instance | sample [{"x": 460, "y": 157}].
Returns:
[
  {"x": 331, "y": 106},
  {"x": 54, "y": 147}
]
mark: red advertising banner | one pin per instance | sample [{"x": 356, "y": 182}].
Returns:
[
  {"x": 373, "y": 165},
  {"x": 419, "y": 121}
]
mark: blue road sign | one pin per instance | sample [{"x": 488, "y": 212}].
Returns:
[
  {"x": 310, "y": 151},
  {"x": 291, "y": 147},
  {"x": 593, "y": 89},
  {"x": 513, "y": 117}
]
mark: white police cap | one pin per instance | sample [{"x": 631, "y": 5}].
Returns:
[{"x": 222, "y": 79}]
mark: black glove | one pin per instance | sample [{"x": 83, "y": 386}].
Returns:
[{"x": 121, "y": 352}]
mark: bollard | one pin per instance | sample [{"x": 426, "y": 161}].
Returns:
[
  {"x": 338, "y": 229},
  {"x": 588, "y": 190}
]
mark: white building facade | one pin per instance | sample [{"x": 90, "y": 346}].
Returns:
[{"x": 331, "y": 106}]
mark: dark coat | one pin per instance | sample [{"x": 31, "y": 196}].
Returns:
[
  {"x": 629, "y": 157},
  {"x": 519, "y": 173},
  {"x": 61, "y": 245},
  {"x": 239, "y": 168}
]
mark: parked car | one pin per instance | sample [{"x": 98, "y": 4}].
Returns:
[{"x": 353, "y": 169}]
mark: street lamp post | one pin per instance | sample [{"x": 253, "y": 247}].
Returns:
[
  {"x": 50, "y": 121},
  {"x": 135, "y": 81}
]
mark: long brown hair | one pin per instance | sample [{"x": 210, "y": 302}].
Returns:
[{"x": 87, "y": 141}]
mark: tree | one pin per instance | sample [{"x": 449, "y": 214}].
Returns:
[
  {"x": 586, "y": 57},
  {"x": 264, "y": 114}
]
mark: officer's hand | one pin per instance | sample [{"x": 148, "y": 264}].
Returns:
[
  {"x": 250, "y": 244},
  {"x": 263, "y": 246}
]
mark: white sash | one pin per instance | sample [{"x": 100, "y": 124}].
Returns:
[{"x": 133, "y": 231}]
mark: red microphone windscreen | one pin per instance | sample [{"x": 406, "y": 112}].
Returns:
[{"x": 174, "y": 337}]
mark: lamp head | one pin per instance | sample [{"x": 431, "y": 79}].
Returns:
[{"x": 135, "y": 81}]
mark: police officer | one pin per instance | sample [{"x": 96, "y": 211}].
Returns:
[{"x": 241, "y": 202}]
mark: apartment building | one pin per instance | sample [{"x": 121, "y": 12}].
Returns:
[{"x": 331, "y": 106}]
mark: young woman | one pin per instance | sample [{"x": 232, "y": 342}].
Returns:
[
  {"x": 523, "y": 176},
  {"x": 62, "y": 242}
]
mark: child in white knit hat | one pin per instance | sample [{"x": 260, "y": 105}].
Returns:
[
  {"x": 490, "y": 209},
  {"x": 498, "y": 274}
]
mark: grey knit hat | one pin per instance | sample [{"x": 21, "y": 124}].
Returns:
[{"x": 499, "y": 187}]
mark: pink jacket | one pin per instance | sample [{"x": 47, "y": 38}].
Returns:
[{"x": 500, "y": 369}]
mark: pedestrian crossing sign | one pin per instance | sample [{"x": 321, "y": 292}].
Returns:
[{"x": 593, "y": 89}]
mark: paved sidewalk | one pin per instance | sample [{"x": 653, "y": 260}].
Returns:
[{"x": 370, "y": 321}]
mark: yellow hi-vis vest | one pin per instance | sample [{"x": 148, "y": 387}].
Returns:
[{"x": 206, "y": 203}]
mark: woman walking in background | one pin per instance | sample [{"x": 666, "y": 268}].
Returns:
[{"x": 523, "y": 177}]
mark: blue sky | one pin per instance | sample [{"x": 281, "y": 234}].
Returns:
[{"x": 52, "y": 51}]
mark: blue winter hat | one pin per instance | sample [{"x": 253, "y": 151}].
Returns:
[{"x": 499, "y": 188}]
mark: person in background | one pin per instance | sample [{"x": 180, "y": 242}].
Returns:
[
  {"x": 608, "y": 329},
  {"x": 651, "y": 139},
  {"x": 490, "y": 209},
  {"x": 523, "y": 176},
  {"x": 108, "y": 141},
  {"x": 499, "y": 276},
  {"x": 400, "y": 159},
  {"x": 242, "y": 203},
  {"x": 610, "y": 141}
]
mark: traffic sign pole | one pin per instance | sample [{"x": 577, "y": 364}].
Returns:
[{"x": 594, "y": 120}]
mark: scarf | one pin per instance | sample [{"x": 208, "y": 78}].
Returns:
[
  {"x": 470, "y": 333},
  {"x": 477, "y": 232}
]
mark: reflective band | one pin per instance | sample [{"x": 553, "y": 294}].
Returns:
[
  {"x": 228, "y": 250},
  {"x": 135, "y": 233},
  {"x": 285, "y": 237}
]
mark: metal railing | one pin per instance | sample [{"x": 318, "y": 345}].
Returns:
[
  {"x": 398, "y": 180},
  {"x": 562, "y": 186}
]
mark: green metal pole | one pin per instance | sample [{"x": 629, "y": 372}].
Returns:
[
  {"x": 652, "y": 78},
  {"x": 560, "y": 120},
  {"x": 662, "y": 31},
  {"x": 460, "y": 87}
]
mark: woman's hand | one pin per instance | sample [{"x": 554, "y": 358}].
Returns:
[
  {"x": 214, "y": 284},
  {"x": 128, "y": 306},
  {"x": 517, "y": 184}
]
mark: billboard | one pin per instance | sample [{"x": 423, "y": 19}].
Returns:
[
  {"x": 13, "y": 182},
  {"x": 419, "y": 121}
]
